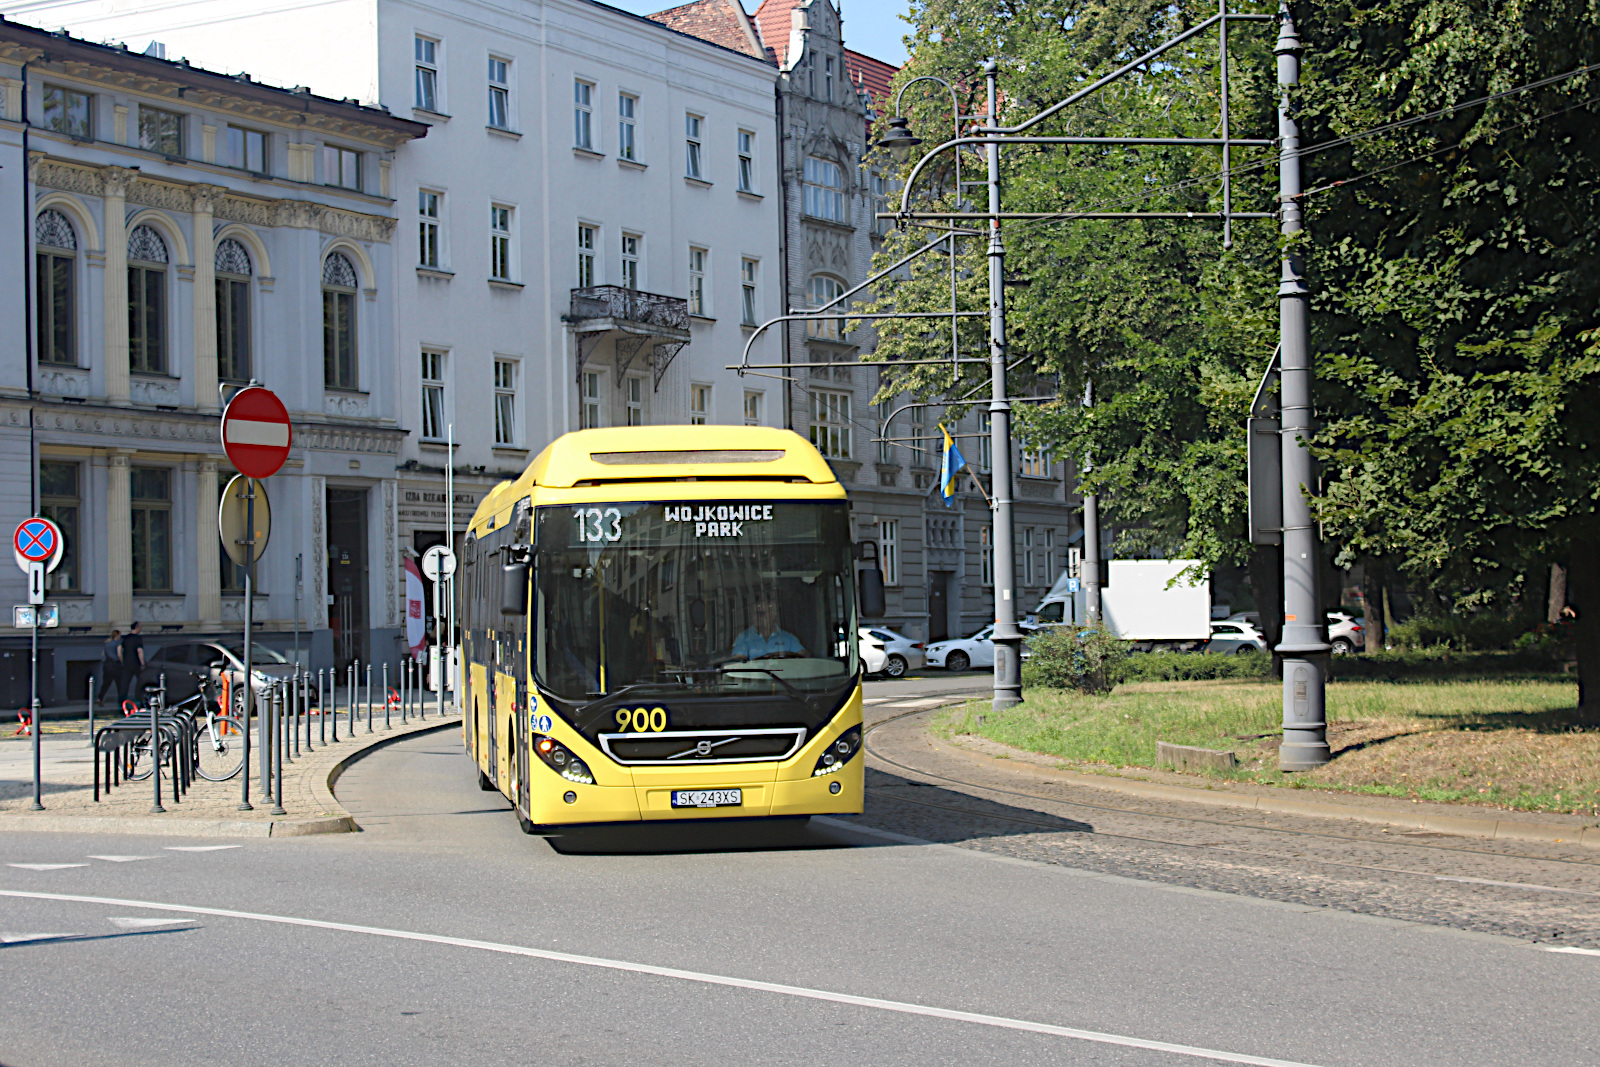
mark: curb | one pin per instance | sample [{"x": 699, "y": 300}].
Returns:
[
  {"x": 1419, "y": 819},
  {"x": 321, "y": 788}
]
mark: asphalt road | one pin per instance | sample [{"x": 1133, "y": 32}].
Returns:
[{"x": 443, "y": 935}]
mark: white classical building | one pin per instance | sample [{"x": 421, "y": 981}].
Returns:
[
  {"x": 184, "y": 231},
  {"x": 586, "y": 232}
]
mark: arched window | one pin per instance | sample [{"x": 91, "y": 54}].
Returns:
[
  {"x": 147, "y": 301},
  {"x": 233, "y": 311},
  {"x": 339, "y": 323},
  {"x": 56, "y": 288},
  {"x": 824, "y": 290}
]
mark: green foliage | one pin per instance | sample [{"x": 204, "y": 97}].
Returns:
[
  {"x": 1193, "y": 667},
  {"x": 1087, "y": 659}
]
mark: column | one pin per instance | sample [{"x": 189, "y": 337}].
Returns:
[
  {"x": 116, "y": 321},
  {"x": 208, "y": 548},
  {"x": 119, "y": 536},
  {"x": 205, "y": 309}
]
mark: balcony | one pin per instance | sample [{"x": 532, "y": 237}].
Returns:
[{"x": 632, "y": 320}]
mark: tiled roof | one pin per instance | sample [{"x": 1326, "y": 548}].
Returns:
[
  {"x": 721, "y": 22},
  {"x": 772, "y": 22},
  {"x": 873, "y": 75}
]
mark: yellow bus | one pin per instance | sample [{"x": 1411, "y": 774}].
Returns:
[{"x": 660, "y": 623}]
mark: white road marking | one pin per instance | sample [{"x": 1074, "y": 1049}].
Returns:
[
  {"x": 23, "y": 939},
  {"x": 199, "y": 848},
  {"x": 804, "y": 992},
  {"x": 928, "y": 703},
  {"x": 131, "y": 923},
  {"x": 1576, "y": 951},
  {"x": 877, "y": 700},
  {"x": 45, "y": 866},
  {"x": 121, "y": 859},
  {"x": 1517, "y": 885}
]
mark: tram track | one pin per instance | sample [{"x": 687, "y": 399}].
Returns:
[{"x": 877, "y": 753}]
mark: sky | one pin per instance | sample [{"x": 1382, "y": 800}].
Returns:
[{"x": 872, "y": 27}]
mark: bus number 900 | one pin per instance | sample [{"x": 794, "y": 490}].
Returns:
[{"x": 642, "y": 720}]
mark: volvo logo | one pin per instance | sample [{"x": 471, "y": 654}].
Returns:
[{"x": 702, "y": 749}]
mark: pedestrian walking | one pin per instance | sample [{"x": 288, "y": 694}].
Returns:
[
  {"x": 110, "y": 664},
  {"x": 132, "y": 662}
]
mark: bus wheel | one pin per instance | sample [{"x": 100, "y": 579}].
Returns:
[
  {"x": 528, "y": 827},
  {"x": 484, "y": 783}
]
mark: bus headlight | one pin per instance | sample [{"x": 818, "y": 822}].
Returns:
[
  {"x": 561, "y": 761},
  {"x": 841, "y": 751}
]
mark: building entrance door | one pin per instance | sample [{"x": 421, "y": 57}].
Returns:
[
  {"x": 347, "y": 574},
  {"x": 938, "y": 605}
]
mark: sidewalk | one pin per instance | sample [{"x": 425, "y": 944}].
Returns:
[{"x": 208, "y": 808}]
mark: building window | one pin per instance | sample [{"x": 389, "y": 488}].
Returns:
[
  {"x": 1035, "y": 463},
  {"x": 830, "y": 423},
  {"x": 1027, "y": 555},
  {"x": 66, "y": 111},
  {"x": 986, "y": 556},
  {"x": 1049, "y": 555},
  {"x": 338, "y": 323},
  {"x": 984, "y": 443},
  {"x": 59, "y": 501},
  {"x": 691, "y": 145},
  {"x": 635, "y": 386},
  {"x": 752, "y": 409},
  {"x": 747, "y": 278},
  {"x": 630, "y": 261},
  {"x": 427, "y": 53},
  {"x": 151, "y": 492},
  {"x": 56, "y": 288},
  {"x": 586, "y": 239},
  {"x": 232, "y": 264},
  {"x": 880, "y": 204},
  {"x": 247, "y": 149},
  {"x": 341, "y": 167},
  {"x": 699, "y": 404},
  {"x": 589, "y": 409},
  {"x": 827, "y": 85},
  {"x": 697, "y": 281},
  {"x": 824, "y": 190},
  {"x": 747, "y": 161},
  {"x": 824, "y": 291},
  {"x": 499, "y": 93},
  {"x": 500, "y": 242},
  {"x": 886, "y": 449},
  {"x": 147, "y": 301},
  {"x": 433, "y": 425},
  {"x": 920, "y": 455},
  {"x": 505, "y": 401},
  {"x": 627, "y": 108},
  {"x": 428, "y": 227},
  {"x": 582, "y": 115},
  {"x": 889, "y": 551}
]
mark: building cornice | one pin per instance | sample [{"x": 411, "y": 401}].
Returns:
[{"x": 193, "y": 428}]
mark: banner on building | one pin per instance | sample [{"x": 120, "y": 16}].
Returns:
[{"x": 416, "y": 627}]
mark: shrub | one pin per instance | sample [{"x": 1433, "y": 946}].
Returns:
[
  {"x": 1086, "y": 658},
  {"x": 1191, "y": 666}
]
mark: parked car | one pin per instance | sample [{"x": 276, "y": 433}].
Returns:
[
  {"x": 1345, "y": 634},
  {"x": 1230, "y": 637},
  {"x": 964, "y": 653},
  {"x": 186, "y": 663},
  {"x": 883, "y": 651}
]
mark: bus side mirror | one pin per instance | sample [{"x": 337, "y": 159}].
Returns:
[
  {"x": 514, "y": 589},
  {"x": 872, "y": 603}
]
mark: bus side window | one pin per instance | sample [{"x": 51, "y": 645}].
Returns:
[{"x": 1051, "y": 612}]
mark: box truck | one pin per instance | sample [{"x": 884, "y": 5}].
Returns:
[{"x": 1148, "y": 601}]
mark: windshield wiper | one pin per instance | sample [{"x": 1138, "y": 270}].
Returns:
[
  {"x": 728, "y": 668},
  {"x": 579, "y": 719}
]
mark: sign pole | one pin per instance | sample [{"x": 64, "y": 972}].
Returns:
[
  {"x": 36, "y": 595},
  {"x": 249, "y": 543},
  {"x": 449, "y": 543}
]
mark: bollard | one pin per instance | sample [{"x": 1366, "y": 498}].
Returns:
[
  {"x": 155, "y": 746},
  {"x": 277, "y": 776},
  {"x": 91, "y": 711},
  {"x": 333, "y": 703},
  {"x": 368, "y": 692},
  {"x": 294, "y": 708},
  {"x": 385, "y": 692},
  {"x": 405, "y": 691},
  {"x": 350, "y": 698}
]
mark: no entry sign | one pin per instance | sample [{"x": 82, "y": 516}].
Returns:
[{"x": 255, "y": 432}]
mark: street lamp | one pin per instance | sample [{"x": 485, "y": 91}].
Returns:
[{"x": 899, "y": 140}]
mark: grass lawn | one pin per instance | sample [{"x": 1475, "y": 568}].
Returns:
[{"x": 1513, "y": 744}]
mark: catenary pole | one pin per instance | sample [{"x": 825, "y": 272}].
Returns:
[
  {"x": 249, "y": 543},
  {"x": 1007, "y": 638},
  {"x": 1304, "y": 646},
  {"x": 1089, "y": 568}
]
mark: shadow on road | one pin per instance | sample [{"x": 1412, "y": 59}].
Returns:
[
  {"x": 941, "y": 815},
  {"x": 698, "y": 836}
]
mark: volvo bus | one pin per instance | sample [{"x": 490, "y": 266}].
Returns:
[{"x": 660, "y": 623}]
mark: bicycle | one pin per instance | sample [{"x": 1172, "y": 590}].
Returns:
[{"x": 219, "y": 744}]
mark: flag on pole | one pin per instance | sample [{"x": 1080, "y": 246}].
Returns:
[{"x": 950, "y": 468}]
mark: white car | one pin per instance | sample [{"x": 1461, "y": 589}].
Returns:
[
  {"x": 1345, "y": 634},
  {"x": 885, "y": 652},
  {"x": 1232, "y": 636},
  {"x": 963, "y": 653}
]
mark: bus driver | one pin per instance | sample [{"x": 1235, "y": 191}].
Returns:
[{"x": 765, "y": 640}]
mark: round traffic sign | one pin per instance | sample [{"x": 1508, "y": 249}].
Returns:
[
  {"x": 255, "y": 432},
  {"x": 438, "y": 562},
  {"x": 232, "y": 512},
  {"x": 37, "y": 540}
]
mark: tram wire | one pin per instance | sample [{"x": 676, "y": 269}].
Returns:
[{"x": 878, "y": 754}]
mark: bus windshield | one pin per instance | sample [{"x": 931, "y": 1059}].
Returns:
[{"x": 733, "y": 597}]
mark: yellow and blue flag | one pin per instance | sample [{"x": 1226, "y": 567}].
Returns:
[{"x": 950, "y": 468}]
